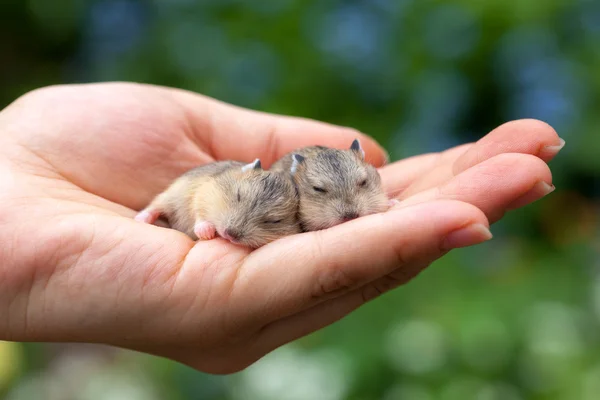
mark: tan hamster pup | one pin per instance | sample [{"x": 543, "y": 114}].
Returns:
[
  {"x": 240, "y": 202},
  {"x": 334, "y": 185}
]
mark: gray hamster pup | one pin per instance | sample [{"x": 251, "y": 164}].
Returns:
[
  {"x": 239, "y": 202},
  {"x": 334, "y": 185}
]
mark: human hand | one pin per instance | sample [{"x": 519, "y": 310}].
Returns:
[{"x": 77, "y": 162}]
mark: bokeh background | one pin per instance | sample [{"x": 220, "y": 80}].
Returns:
[{"x": 515, "y": 318}]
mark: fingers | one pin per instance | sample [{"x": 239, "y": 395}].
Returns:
[
  {"x": 498, "y": 184},
  {"x": 501, "y": 183},
  {"x": 397, "y": 177},
  {"x": 524, "y": 136},
  {"x": 232, "y": 132},
  {"x": 313, "y": 267}
]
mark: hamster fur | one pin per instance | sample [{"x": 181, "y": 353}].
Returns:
[
  {"x": 334, "y": 185},
  {"x": 240, "y": 202}
]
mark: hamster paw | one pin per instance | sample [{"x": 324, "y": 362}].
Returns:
[
  {"x": 392, "y": 203},
  {"x": 147, "y": 216},
  {"x": 205, "y": 230}
]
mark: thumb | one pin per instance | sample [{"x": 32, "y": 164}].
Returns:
[
  {"x": 300, "y": 272},
  {"x": 239, "y": 133}
]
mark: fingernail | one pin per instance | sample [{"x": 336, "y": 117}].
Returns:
[
  {"x": 541, "y": 189},
  {"x": 468, "y": 236},
  {"x": 553, "y": 150}
]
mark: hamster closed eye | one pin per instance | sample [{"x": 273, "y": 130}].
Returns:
[{"x": 264, "y": 208}]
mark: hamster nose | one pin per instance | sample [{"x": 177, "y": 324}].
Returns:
[
  {"x": 348, "y": 216},
  {"x": 232, "y": 234}
]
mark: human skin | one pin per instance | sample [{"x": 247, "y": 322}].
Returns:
[{"x": 77, "y": 163}]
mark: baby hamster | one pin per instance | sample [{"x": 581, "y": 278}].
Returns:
[
  {"x": 334, "y": 185},
  {"x": 240, "y": 202}
]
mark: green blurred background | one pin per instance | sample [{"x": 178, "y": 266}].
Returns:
[{"x": 515, "y": 318}]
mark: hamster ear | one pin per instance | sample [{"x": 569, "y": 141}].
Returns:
[
  {"x": 356, "y": 147},
  {"x": 253, "y": 165},
  {"x": 297, "y": 159}
]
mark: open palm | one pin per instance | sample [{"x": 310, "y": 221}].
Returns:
[{"x": 78, "y": 162}]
